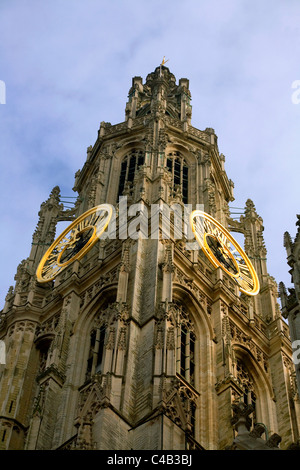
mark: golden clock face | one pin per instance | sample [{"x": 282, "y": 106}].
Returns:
[
  {"x": 223, "y": 251},
  {"x": 74, "y": 242}
]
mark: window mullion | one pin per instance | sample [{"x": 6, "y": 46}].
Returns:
[
  {"x": 181, "y": 176},
  {"x": 187, "y": 356},
  {"x": 95, "y": 352},
  {"x": 127, "y": 170},
  {"x": 173, "y": 173},
  {"x": 178, "y": 350}
]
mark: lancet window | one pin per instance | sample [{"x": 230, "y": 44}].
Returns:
[
  {"x": 96, "y": 352},
  {"x": 246, "y": 381},
  {"x": 177, "y": 166},
  {"x": 130, "y": 164},
  {"x": 186, "y": 340}
]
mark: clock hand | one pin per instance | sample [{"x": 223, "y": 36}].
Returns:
[{"x": 76, "y": 245}]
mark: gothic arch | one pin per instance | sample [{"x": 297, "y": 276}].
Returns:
[
  {"x": 185, "y": 152},
  {"x": 206, "y": 374},
  {"x": 129, "y": 160},
  {"x": 83, "y": 327},
  {"x": 126, "y": 148},
  {"x": 144, "y": 110},
  {"x": 185, "y": 295},
  {"x": 204, "y": 334},
  {"x": 186, "y": 167},
  {"x": 93, "y": 384},
  {"x": 262, "y": 384},
  {"x": 104, "y": 295},
  {"x": 171, "y": 111}
]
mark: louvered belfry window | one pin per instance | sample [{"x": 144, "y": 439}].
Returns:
[
  {"x": 177, "y": 166},
  {"x": 130, "y": 164}
]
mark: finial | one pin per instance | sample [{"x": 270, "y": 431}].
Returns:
[{"x": 164, "y": 61}]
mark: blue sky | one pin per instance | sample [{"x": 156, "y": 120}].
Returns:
[{"x": 68, "y": 65}]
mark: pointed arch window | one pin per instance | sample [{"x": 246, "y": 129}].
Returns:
[
  {"x": 186, "y": 359},
  {"x": 247, "y": 384},
  {"x": 186, "y": 340},
  {"x": 177, "y": 166},
  {"x": 130, "y": 164},
  {"x": 187, "y": 354},
  {"x": 193, "y": 417},
  {"x": 96, "y": 352}
]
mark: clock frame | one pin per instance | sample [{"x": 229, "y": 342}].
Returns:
[
  {"x": 74, "y": 242},
  {"x": 223, "y": 251}
]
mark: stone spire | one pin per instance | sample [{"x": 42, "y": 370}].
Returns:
[
  {"x": 159, "y": 96},
  {"x": 44, "y": 234},
  {"x": 290, "y": 298}
]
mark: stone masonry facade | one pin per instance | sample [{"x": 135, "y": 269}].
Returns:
[{"x": 143, "y": 344}]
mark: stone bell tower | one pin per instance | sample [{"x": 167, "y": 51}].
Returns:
[
  {"x": 290, "y": 300},
  {"x": 143, "y": 343}
]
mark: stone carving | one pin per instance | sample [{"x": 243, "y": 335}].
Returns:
[
  {"x": 125, "y": 261},
  {"x": 114, "y": 312},
  {"x": 110, "y": 338},
  {"x": 170, "y": 338},
  {"x": 181, "y": 278},
  {"x": 92, "y": 191},
  {"x": 179, "y": 402},
  {"x": 175, "y": 314},
  {"x": 159, "y": 338},
  {"x": 168, "y": 265},
  {"x": 211, "y": 191},
  {"x": 258, "y": 430},
  {"x": 244, "y": 378},
  {"x": 93, "y": 397},
  {"x": 239, "y": 336},
  {"x": 274, "y": 441},
  {"x": 227, "y": 346},
  {"x": 106, "y": 279},
  {"x": 241, "y": 420},
  {"x": 39, "y": 400},
  {"x": 49, "y": 213},
  {"x": 291, "y": 371},
  {"x": 122, "y": 339}
]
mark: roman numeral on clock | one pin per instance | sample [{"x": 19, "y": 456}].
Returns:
[
  {"x": 245, "y": 278},
  {"x": 50, "y": 269}
]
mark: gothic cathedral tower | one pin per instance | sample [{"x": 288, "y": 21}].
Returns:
[{"x": 143, "y": 344}]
